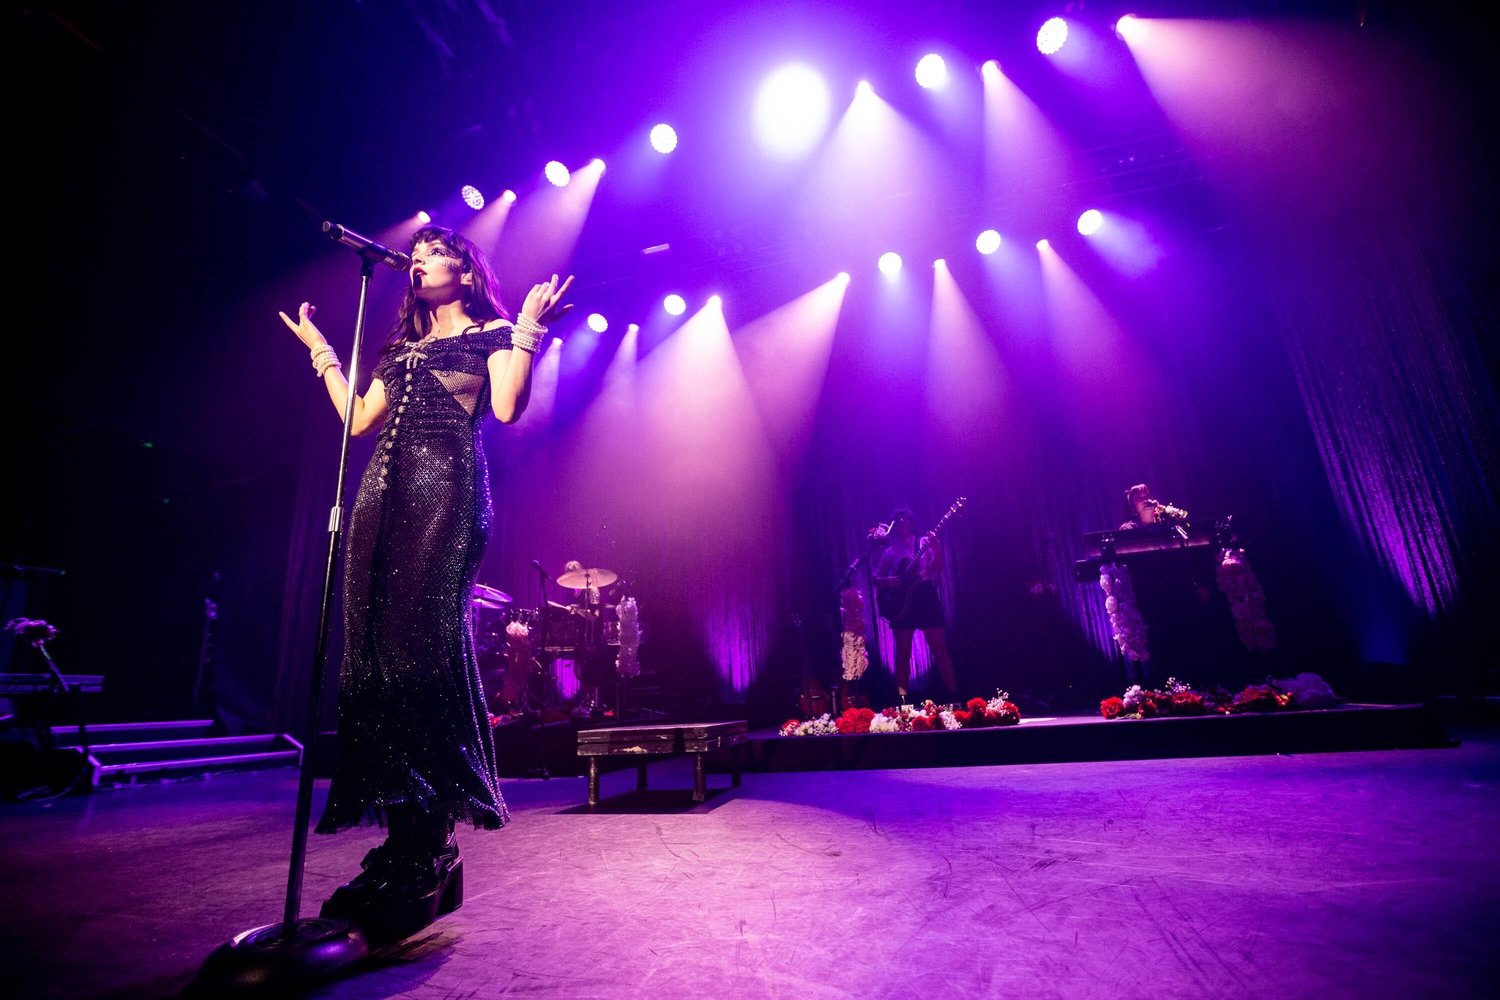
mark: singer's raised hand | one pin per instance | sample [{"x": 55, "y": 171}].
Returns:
[
  {"x": 543, "y": 301},
  {"x": 304, "y": 328}
]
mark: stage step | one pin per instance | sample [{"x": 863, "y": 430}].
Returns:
[
  {"x": 133, "y": 732},
  {"x": 124, "y": 753}
]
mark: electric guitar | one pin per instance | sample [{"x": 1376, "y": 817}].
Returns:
[{"x": 895, "y": 601}]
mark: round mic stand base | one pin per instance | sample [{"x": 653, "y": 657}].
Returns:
[{"x": 265, "y": 961}]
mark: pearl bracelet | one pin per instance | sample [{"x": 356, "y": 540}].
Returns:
[
  {"x": 324, "y": 358},
  {"x": 527, "y": 334}
]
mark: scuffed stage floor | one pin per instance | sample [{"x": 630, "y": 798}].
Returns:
[{"x": 1334, "y": 875}]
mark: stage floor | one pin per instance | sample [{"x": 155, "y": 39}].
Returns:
[{"x": 1364, "y": 875}]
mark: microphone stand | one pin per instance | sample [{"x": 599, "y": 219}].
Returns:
[
  {"x": 297, "y": 951},
  {"x": 539, "y": 745}
]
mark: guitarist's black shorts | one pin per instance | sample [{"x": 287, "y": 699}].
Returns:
[{"x": 926, "y": 609}]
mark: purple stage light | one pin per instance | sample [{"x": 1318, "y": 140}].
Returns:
[
  {"x": 932, "y": 72},
  {"x": 842, "y": 276},
  {"x": 1051, "y": 36},
  {"x": 663, "y": 138},
  {"x": 714, "y": 302},
  {"x": 1090, "y": 221},
  {"x": 940, "y": 262},
  {"x": 556, "y": 173},
  {"x": 791, "y": 111},
  {"x": 674, "y": 304},
  {"x": 423, "y": 218},
  {"x": 471, "y": 196},
  {"x": 1043, "y": 245},
  {"x": 598, "y": 323},
  {"x": 508, "y": 195},
  {"x": 988, "y": 242},
  {"x": 990, "y": 70},
  {"x": 1130, "y": 29},
  {"x": 863, "y": 89},
  {"x": 890, "y": 264},
  {"x": 597, "y": 163}
]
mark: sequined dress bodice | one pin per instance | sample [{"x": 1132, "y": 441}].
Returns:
[{"x": 413, "y": 726}]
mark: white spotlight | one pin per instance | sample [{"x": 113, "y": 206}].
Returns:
[
  {"x": 1090, "y": 221},
  {"x": 674, "y": 304},
  {"x": 598, "y": 323},
  {"x": 508, "y": 195},
  {"x": 890, "y": 264},
  {"x": 557, "y": 173},
  {"x": 1043, "y": 245},
  {"x": 843, "y": 276},
  {"x": 990, "y": 70},
  {"x": 1051, "y": 36},
  {"x": 663, "y": 138},
  {"x": 1130, "y": 29},
  {"x": 471, "y": 196},
  {"x": 988, "y": 242},
  {"x": 791, "y": 111},
  {"x": 932, "y": 72},
  {"x": 423, "y": 218}
]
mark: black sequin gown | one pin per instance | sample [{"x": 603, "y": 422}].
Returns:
[{"x": 413, "y": 727}]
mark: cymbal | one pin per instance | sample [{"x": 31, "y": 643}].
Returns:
[
  {"x": 491, "y": 597},
  {"x": 578, "y": 579}
]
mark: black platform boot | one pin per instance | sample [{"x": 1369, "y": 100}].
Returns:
[{"x": 404, "y": 890}]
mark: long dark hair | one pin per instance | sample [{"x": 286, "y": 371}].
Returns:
[{"x": 482, "y": 303}]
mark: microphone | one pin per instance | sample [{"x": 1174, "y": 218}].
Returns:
[
  {"x": 537, "y": 565},
  {"x": 367, "y": 248}
]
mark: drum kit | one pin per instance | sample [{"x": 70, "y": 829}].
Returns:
[{"x": 517, "y": 664}]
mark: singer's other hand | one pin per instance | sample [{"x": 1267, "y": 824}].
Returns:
[
  {"x": 304, "y": 328},
  {"x": 543, "y": 302}
]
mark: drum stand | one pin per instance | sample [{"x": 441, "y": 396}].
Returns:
[{"x": 296, "y": 952}]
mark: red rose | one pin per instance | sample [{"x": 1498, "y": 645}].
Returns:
[
  {"x": 1148, "y": 707},
  {"x": 976, "y": 705},
  {"x": 1010, "y": 714},
  {"x": 865, "y": 714},
  {"x": 1111, "y": 708},
  {"x": 962, "y": 717},
  {"x": 1187, "y": 703},
  {"x": 921, "y": 724}
]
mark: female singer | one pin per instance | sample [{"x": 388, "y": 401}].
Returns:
[{"x": 415, "y": 751}]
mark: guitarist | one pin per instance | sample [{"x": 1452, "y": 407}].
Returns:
[{"x": 922, "y": 558}]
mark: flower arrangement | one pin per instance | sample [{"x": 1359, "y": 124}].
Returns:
[
  {"x": 821, "y": 726},
  {"x": 925, "y": 718},
  {"x": 1247, "y": 601},
  {"x": 1125, "y": 620},
  {"x": 626, "y": 663},
  {"x": 32, "y": 630},
  {"x": 1177, "y": 698},
  {"x": 518, "y": 653},
  {"x": 856, "y": 659}
]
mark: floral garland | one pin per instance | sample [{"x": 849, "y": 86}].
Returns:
[
  {"x": 1246, "y": 600},
  {"x": 927, "y": 717},
  {"x": 627, "y": 664},
  {"x": 1305, "y": 691},
  {"x": 856, "y": 659},
  {"x": 1125, "y": 619}
]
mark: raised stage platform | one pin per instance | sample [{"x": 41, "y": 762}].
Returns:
[{"x": 1092, "y": 738}]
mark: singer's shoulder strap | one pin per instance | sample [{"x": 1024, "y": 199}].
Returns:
[{"x": 495, "y": 336}]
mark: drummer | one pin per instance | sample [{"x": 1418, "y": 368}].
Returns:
[
  {"x": 595, "y": 661},
  {"x": 584, "y": 598}
]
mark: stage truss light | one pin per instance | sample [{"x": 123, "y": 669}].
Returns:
[
  {"x": 990, "y": 70},
  {"x": 597, "y": 162},
  {"x": 843, "y": 276},
  {"x": 1051, "y": 36},
  {"x": 988, "y": 242},
  {"x": 674, "y": 304},
  {"x": 791, "y": 111},
  {"x": 471, "y": 196},
  {"x": 932, "y": 72},
  {"x": 508, "y": 195},
  {"x": 423, "y": 218},
  {"x": 598, "y": 323},
  {"x": 890, "y": 264},
  {"x": 715, "y": 302},
  {"x": 1130, "y": 29},
  {"x": 1043, "y": 245},
  {"x": 557, "y": 173},
  {"x": 1090, "y": 221},
  {"x": 663, "y": 138}
]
